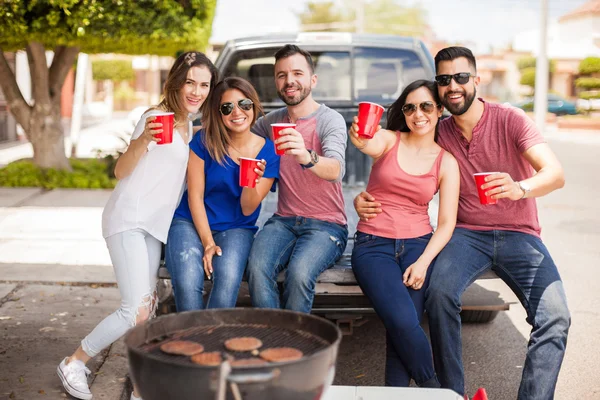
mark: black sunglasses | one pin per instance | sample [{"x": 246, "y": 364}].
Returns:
[
  {"x": 243, "y": 104},
  {"x": 427, "y": 107},
  {"x": 461, "y": 78}
]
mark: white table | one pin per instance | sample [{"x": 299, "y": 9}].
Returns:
[{"x": 381, "y": 392}]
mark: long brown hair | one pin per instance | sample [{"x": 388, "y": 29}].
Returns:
[
  {"x": 176, "y": 79},
  {"x": 216, "y": 137}
]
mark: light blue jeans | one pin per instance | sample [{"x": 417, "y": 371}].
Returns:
[
  {"x": 305, "y": 247},
  {"x": 524, "y": 264},
  {"x": 183, "y": 256},
  {"x": 135, "y": 255}
]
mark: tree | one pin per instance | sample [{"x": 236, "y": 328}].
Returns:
[
  {"x": 317, "y": 14},
  {"x": 527, "y": 67},
  {"x": 378, "y": 16},
  {"x": 589, "y": 68},
  {"x": 68, "y": 26}
]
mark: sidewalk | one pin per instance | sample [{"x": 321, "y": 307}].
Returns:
[{"x": 56, "y": 284}]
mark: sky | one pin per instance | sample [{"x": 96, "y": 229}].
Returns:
[{"x": 484, "y": 23}]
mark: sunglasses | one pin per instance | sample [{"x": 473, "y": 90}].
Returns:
[
  {"x": 427, "y": 107},
  {"x": 243, "y": 104},
  {"x": 461, "y": 78}
]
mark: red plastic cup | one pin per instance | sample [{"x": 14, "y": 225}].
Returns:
[
  {"x": 166, "y": 119},
  {"x": 247, "y": 174},
  {"x": 276, "y": 129},
  {"x": 480, "y": 395},
  {"x": 369, "y": 115},
  {"x": 480, "y": 180}
]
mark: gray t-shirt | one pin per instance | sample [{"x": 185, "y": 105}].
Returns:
[
  {"x": 329, "y": 125},
  {"x": 324, "y": 131}
]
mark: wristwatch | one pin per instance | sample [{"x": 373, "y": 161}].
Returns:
[
  {"x": 525, "y": 188},
  {"x": 314, "y": 158}
]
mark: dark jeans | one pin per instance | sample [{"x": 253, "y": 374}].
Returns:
[
  {"x": 523, "y": 262},
  {"x": 183, "y": 256},
  {"x": 378, "y": 264},
  {"x": 306, "y": 247}
]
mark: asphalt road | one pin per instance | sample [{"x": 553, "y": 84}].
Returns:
[{"x": 494, "y": 353}]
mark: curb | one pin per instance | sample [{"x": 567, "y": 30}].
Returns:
[{"x": 112, "y": 381}]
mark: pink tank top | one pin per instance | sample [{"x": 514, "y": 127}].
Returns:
[{"x": 404, "y": 198}]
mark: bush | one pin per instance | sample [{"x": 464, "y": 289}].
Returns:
[
  {"x": 86, "y": 174},
  {"x": 589, "y": 95},
  {"x": 524, "y": 63},
  {"x": 588, "y": 83},
  {"x": 589, "y": 65},
  {"x": 112, "y": 70},
  {"x": 528, "y": 77}
]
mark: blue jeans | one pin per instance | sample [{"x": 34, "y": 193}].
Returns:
[
  {"x": 306, "y": 247},
  {"x": 183, "y": 256},
  {"x": 524, "y": 264},
  {"x": 378, "y": 264}
]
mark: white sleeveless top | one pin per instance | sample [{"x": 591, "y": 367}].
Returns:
[{"x": 147, "y": 198}]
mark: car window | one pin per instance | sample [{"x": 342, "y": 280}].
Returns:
[
  {"x": 380, "y": 74},
  {"x": 257, "y": 66}
]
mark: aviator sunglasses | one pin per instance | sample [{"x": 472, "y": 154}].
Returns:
[
  {"x": 427, "y": 107},
  {"x": 243, "y": 104},
  {"x": 461, "y": 78}
]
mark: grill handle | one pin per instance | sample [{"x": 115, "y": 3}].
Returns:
[{"x": 260, "y": 377}]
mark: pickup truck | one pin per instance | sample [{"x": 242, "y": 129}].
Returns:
[{"x": 350, "y": 68}]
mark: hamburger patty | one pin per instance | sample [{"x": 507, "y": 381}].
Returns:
[
  {"x": 243, "y": 344},
  {"x": 280, "y": 354},
  {"x": 211, "y": 358},
  {"x": 182, "y": 347}
]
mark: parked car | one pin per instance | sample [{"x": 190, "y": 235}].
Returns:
[{"x": 556, "y": 105}]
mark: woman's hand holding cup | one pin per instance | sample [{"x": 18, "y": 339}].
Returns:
[
  {"x": 151, "y": 129},
  {"x": 260, "y": 171},
  {"x": 359, "y": 141}
]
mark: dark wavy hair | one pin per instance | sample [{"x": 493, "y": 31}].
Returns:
[
  {"x": 395, "y": 117},
  {"x": 216, "y": 138}
]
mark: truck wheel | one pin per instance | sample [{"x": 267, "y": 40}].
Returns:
[{"x": 478, "y": 316}]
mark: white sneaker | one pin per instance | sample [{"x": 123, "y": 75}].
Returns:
[
  {"x": 134, "y": 398},
  {"x": 74, "y": 378}
]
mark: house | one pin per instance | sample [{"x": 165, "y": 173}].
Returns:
[{"x": 575, "y": 36}]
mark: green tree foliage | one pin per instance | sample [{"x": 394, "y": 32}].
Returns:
[
  {"x": 589, "y": 65},
  {"x": 66, "y": 27},
  {"x": 528, "y": 77},
  {"x": 322, "y": 14},
  {"x": 589, "y": 95},
  {"x": 107, "y": 26},
  {"x": 112, "y": 70},
  {"x": 378, "y": 16},
  {"x": 588, "y": 83},
  {"x": 524, "y": 63}
]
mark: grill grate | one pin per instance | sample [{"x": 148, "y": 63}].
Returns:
[{"x": 213, "y": 339}]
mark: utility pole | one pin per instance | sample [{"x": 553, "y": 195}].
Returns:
[
  {"x": 359, "y": 21},
  {"x": 540, "y": 104}
]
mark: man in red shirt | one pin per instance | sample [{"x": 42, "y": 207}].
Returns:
[{"x": 505, "y": 237}]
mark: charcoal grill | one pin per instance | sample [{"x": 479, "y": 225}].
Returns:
[{"x": 162, "y": 376}]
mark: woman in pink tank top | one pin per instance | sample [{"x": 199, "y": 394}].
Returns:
[{"x": 393, "y": 252}]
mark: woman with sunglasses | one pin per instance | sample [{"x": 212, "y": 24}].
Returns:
[
  {"x": 136, "y": 218},
  {"x": 393, "y": 252},
  {"x": 214, "y": 226}
]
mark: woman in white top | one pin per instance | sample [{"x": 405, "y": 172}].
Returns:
[{"x": 136, "y": 219}]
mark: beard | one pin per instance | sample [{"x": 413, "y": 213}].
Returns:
[
  {"x": 297, "y": 99},
  {"x": 459, "y": 109}
]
